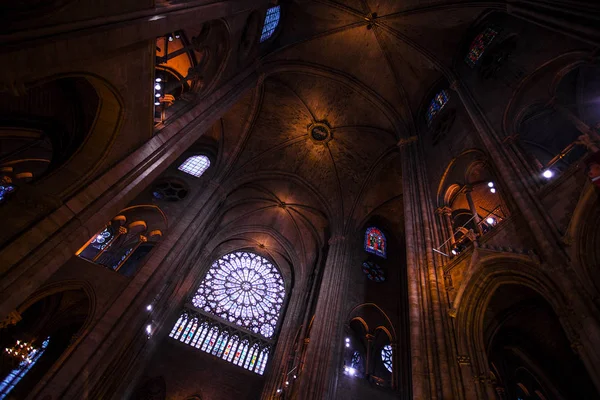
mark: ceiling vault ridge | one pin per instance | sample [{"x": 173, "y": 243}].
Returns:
[
  {"x": 296, "y": 95},
  {"x": 343, "y": 7},
  {"x": 344, "y": 78},
  {"x": 375, "y": 167},
  {"x": 257, "y": 100},
  {"x": 233, "y": 234},
  {"x": 317, "y": 36},
  {"x": 268, "y": 151},
  {"x": 399, "y": 87},
  {"x": 278, "y": 175},
  {"x": 441, "y": 6},
  {"x": 337, "y": 176},
  {"x": 245, "y": 216}
]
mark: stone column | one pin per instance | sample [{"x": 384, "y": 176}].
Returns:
[
  {"x": 446, "y": 216},
  {"x": 369, "y": 354},
  {"x": 317, "y": 380},
  {"x": 555, "y": 261},
  {"x": 433, "y": 374},
  {"x": 468, "y": 191}
]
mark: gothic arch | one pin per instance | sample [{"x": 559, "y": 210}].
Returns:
[
  {"x": 493, "y": 273},
  {"x": 582, "y": 235}
]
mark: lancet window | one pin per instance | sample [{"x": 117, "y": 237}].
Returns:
[
  {"x": 235, "y": 311},
  {"x": 122, "y": 245},
  {"x": 195, "y": 165},
  {"x": 479, "y": 46},
  {"x": 386, "y": 357},
  {"x": 436, "y": 105},
  {"x": 375, "y": 242},
  {"x": 271, "y": 22}
]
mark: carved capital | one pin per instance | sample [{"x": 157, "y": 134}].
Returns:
[
  {"x": 143, "y": 239},
  {"x": 11, "y": 319},
  {"x": 463, "y": 360},
  {"x": 122, "y": 230},
  {"x": 445, "y": 210},
  {"x": 406, "y": 141}
]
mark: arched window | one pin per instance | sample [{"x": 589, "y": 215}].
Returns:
[
  {"x": 195, "y": 165},
  {"x": 436, "y": 105},
  {"x": 246, "y": 293},
  {"x": 14, "y": 376},
  {"x": 386, "y": 357},
  {"x": 271, "y": 22},
  {"x": 479, "y": 45},
  {"x": 375, "y": 242}
]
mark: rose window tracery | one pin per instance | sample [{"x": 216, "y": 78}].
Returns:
[{"x": 244, "y": 289}]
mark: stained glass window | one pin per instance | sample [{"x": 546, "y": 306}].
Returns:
[
  {"x": 271, "y": 22},
  {"x": 479, "y": 45},
  {"x": 195, "y": 165},
  {"x": 5, "y": 190},
  {"x": 438, "y": 102},
  {"x": 386, "y": 357},
  {"x": 356, "y": 362},
  {"x": 375, "y": 242},
  {"x": 14, "y": 376},
  {"x": 246, "y": 293},
  {"x": 244, "y": 289},
  {"x": 373, "y": 271}
]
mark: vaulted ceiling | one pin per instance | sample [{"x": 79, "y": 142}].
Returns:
[{"x": 365, "y": 77}]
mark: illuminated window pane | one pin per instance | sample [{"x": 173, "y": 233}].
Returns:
[
  {"x": 195, "y": 165},
  {"x": 235, "y": 311},
  {"x": 386, "y": 357},
  {"x": 479, "y": 45},
  {"x": 437, "y": 104},
  {"x": 244, "y": 289},
  {"x": 375, "y": 242},
  {"x": 271, "y": 22},
  {"x": 178, "y": 328}
]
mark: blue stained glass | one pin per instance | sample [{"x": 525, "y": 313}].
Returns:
[
  {"x": 14, "y": 376},
  {"x": 271, "y": 22},
  {"x": 5, "y": 190},
  {"x": 195, "y": 165},
  {"x": 375, "y": 242},
  {"x": 356, "y": 361},
  {"x": 437, "y": 104},
  {"x": 386, "y": 357}
]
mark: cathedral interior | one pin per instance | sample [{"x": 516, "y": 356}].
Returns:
[{"x": 300, "y": 199}]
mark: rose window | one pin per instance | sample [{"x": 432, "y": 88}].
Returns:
[{"x": 244, "y": 289}]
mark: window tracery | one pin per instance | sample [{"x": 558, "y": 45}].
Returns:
[
  {"x": 235, "y": 311},
  {"x": 386, "y": 357},
  {"x": 373, "y": 271},
  {"x": 375, "y": 242},
  {"x": 195, "y": 165},
  {"x": 271, "y": 22}
]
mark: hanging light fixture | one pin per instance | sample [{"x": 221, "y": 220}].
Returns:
[{"x": 21, "y": 351}]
